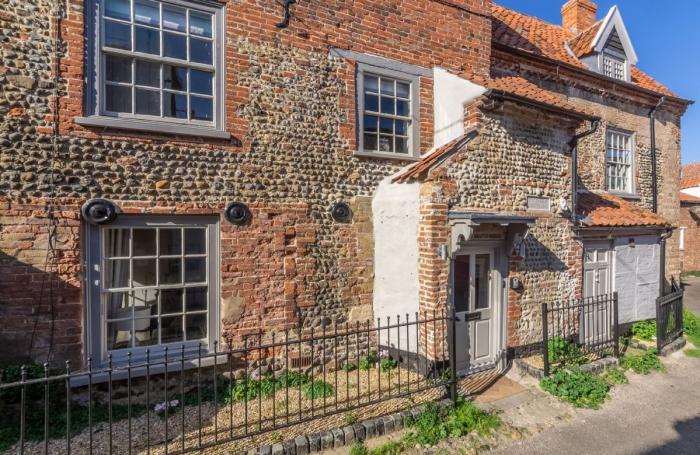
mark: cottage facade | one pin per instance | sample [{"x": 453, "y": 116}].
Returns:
[
  {"x": 187, "y": 171},
  {"x": 689, "y": 229}
]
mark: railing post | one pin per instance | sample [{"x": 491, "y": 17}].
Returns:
[
  {"x": 453, "y": 353},
  {"x": 545, "y": 339},
  {"x": 659, "y": 323},
  {"x": 616, "y": 325}
]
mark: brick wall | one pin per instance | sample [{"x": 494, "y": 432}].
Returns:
[
  {"x": 690, "y": 256},
  {"x": 290, "y": 109}
]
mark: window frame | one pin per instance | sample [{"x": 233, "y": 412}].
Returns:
[
  {"x": 95, "y": 308},
  {"x": 632, "y": 165},
  {"x": 615, "y": 57},
  {"x": 414, "y": 126},
  {"x": 95, "y": 113}
]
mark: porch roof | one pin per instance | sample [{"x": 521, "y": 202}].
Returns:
[
  {"x": 504, "y": 219},
  {"x": 602, "y": 209}
]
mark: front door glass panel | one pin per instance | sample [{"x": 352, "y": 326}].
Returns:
[
  {"x": 482, "y": 269},
  {"x": 461, "y": 283}
]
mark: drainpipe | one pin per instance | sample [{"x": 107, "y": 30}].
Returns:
[
  {"x": 574, "y": 167},
  {"x": 652, "y": 129},
  {"x": 662, "y": 255}
]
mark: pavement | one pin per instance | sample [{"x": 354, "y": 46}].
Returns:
[
  {"x": 657, "y": 414},
  {"x": 691, "y": 299}
]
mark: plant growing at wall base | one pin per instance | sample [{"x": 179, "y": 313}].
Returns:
[
  {"x": 581, "y": 389},
  {"x": 644, "y": 330},
  {"x": 561, "y": 350},
  {"x": 368, "y": 361},
  {"x": 317, "y": 389},
  {"x": 387, "y": 364}
]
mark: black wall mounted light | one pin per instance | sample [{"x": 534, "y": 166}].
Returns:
[
  {"x": 341, "y": 212},
  {"x": 237, "y": 213},
  {"x": 99, "y": 211}
]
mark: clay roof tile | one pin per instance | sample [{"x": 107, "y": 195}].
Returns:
[{"x": 602, "y": 209}]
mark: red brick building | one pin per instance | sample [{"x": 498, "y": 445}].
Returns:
[
  {"x": 690, "y": 218},
  {"x": 184, "y": 171}
]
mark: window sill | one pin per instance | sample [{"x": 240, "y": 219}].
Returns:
[
  {"x": 151, "y": 127},
  {"x": 386, "y": 156},
  {"x": 628, "y": 196},
  {"x": 120, "y": 373}
]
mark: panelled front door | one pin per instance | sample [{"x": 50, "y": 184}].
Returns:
[
  {"x": 473, "y": 298},
  {"x": 597, "y": 273}
]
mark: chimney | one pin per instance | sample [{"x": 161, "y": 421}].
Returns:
[{"x": 578, "y": 15}]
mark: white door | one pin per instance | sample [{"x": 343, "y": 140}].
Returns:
[
  {"x": 595, "y": 318},
  {"x": 473, "y": 298}
]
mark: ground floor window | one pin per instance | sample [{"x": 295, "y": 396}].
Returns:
[{"x": 155, "y": 283}]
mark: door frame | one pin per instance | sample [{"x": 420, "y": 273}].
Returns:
[{"x": 498, "y": 294}]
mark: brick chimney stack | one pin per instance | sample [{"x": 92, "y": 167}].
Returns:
[{"x": 578, "y": 15}]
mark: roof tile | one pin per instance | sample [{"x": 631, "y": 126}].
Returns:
[
  {"x": 690, "y": 175},
  {"x": 428, "y": 161},
  {"x": 601, "y": 209},
  {"x": 684, "y": 197},
  {"x": 531, "y": 34}
]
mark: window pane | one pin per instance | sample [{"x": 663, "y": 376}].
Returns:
[
  {"x": 195, "y": 270},
  {"x": 174, "y": 18},
  {"x": 401, "y": 127},
  {"x": 201, "y": 51},
  {"x": 371, "y": 84},
  {"x": 144, "y": 273},
  {"x": 147, "y": 73},
  {"x": 117, "y": 242},
  {"x": 403, "y": 89},
  {"x": 144, "y": 242},
  {"x": 482, "y": 269},
  {"x": 201, "y": 82},
  {"x": 370, "y": 142},
  {"x": 386, "y": 144},
  {"x": 196, "y": 299},
  {"x": 117, "y": 69},
  {"x": 147, "y": 40},
  {"x": 371, "y": 123},
  {"x": 145, "y": 302},
  {"x": 387, "y": 86},
  {"x": 196, "y": 325},
  {"x": 146, "y": 332},
  {"x": 200, "y": 24},
  {"x": 171, "y": 301},
  {"x": 118, "y": 305},
  {"x": 174, "y": 105},
  {"x": 118, "y": 9},
  {"x": 117, "y": 35},
  {"x": 388, "y": 106},
  {"x": 202, "y": 108},
  {"x": 403, "y": 108},
  {"x": 175, "y": 46},
  {"x": 119, "y": 335},
  {"x": 116, "y": 273},
  {"x": 195, "y": 241},
  {"x": 170, "y": 241},
  {"x": 117, "y": 98},
  {"x": 147, "y": 12},
  {"x": 175, "y": 77},
  {"x": 171, "y": 330},
  {"x": 371, "y": 103},
  {"x": 401, "y": 145},
  {"x": 147, "y": 102},
  {"x": 170, "y": 271},
  {"x": 386, "y": 125}
]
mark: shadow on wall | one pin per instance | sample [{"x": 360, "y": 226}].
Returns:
[
  {"x": 688, "y": 439},
  {"x": 41, "y": 315},
  {"x": 540, "y": 257}
]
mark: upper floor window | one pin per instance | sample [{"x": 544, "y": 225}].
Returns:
[
  {"x": 619, "y": 160},
  {"x": 614, "y": 67},
  {"x": 388, "y": 103},
  {"x": 158, "y": 61}
]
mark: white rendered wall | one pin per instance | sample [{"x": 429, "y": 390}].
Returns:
[
  {"x": 695, "y": 191},
  {"x": 451, "y": 93},
  {"x": 637, "y": 277}
]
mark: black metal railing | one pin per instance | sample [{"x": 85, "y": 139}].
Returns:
[
  {"x": 580, "y": 331},
  {"x": 174, "y": 402},
  {"x": 669, "y": 317}
]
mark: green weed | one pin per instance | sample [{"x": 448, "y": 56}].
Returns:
[
  {"x": 387, "y": 364},
  {"x": 643, "y": 363},
  {"x": 644, "y": 330},
  {"x": 581, "y": 389},
  {"x": 615, "y": 377}
]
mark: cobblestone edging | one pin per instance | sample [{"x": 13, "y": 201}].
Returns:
[
  {"x": 670, "y": 348},
  {"x": 345, "y": 436}
]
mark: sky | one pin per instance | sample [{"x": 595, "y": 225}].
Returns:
[{"x": 666, "y": 37}]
